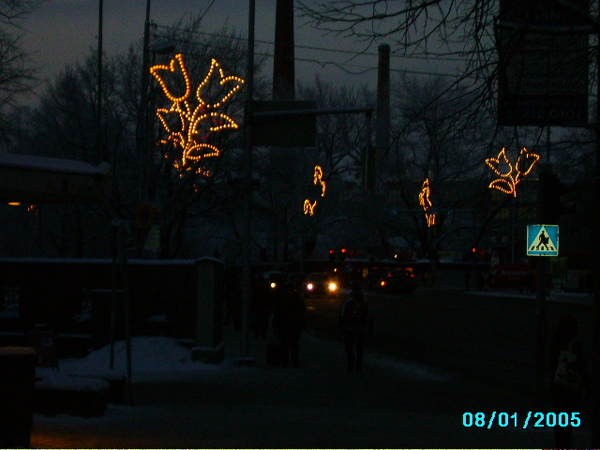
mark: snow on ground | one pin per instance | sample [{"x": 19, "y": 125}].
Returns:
[
  {"x": 150, "y": 357},
  {"x": 410, "y": 371},
  {"x": 163, "y": 358}
]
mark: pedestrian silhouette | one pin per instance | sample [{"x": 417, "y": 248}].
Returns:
[
  {"x": 569, "y": 376},
  {"x": 261, "y": 304},
  {"x": 356, "y": 321},
  {"x": 289, "y": 318},
  {"x": 543, "y": 240}
]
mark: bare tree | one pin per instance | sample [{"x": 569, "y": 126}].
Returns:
[
  {"x": 289, "y": 174},
  {"x": 16, "y": 77},
  {"x": 462, "y": 30},
  {"x": 439, "y": 135},
  {"x": 184, "y": 193},
  {"x": 64, "y": 124}
]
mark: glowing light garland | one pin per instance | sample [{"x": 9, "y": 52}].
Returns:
[
  {"x": 189, "y": 123},
  {"x": 426, "y": 203},
  {"x": 309, "y": 207},
  {"x": 510, "y": 178}
]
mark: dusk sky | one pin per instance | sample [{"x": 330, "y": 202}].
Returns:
[{"x": 61, "y": 32}]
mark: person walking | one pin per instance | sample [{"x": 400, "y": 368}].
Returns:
[
  {"x": 289, "y": 318},
  {"x": 356, "y": 321},
  {"x": 262, "y": 303},
  {"x": 569, "y": 376}
]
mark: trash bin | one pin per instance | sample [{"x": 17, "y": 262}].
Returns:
[{"x": 17, "y": 384}]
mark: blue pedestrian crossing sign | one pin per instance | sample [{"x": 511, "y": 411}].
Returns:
[{"x": 542, "y": 240}]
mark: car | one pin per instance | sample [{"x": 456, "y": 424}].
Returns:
[
  {"x": 398, "y": 281},
  {"x": 321, "y": 283}
]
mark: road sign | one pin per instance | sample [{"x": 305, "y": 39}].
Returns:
[
  {"x": 285, "y": 129},
  {"x": 543, "y": 63},
  {"x": 542, "y": 240}
]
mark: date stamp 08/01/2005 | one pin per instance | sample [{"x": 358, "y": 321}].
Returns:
[{"x": 524, "y": 421}]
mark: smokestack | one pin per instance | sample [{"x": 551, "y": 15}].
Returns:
[
  {"x": 382, "y": 125},
  {"x": 283, "y": 63}
]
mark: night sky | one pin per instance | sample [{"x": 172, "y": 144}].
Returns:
[{"x": 62, "y": 32}]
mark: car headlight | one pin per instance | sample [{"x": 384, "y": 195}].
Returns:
[
  {"x": 273, "y": 285},
  {"x": 310, "y": 286},
  {"x": 332, "y": 287}
]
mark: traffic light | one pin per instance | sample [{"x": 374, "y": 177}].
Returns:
[
  {"x": 555, "y": 198},
  {"x": 343, "y": 254}
]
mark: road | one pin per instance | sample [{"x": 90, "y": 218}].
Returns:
[{"x": 491, "y": 338}]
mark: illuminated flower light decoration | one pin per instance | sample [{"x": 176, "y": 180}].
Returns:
[
  {"x": 511, "y": 176},
  {"x": 426, "y": 203},
  {"x": 189, "y": 122},
  {"x": 309, "y": 207}
]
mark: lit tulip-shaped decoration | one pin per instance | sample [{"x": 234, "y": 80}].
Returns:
[
  {"x": 511, "y": 175},
  {"x": 318, "y": 180},
  {"x": 190, "y": 121},
  {"x": 426, "y": 203}
]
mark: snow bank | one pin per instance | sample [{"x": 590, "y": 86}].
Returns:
[
  {"x": 65, "y": 382},
  {"x": 150, "y": 355}
]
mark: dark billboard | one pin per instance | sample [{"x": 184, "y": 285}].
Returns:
[{"x": 544, "y": 57}]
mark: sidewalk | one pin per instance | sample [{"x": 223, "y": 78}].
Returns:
[{"x": 392, "y": 404}]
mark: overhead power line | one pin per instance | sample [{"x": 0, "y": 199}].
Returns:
[
  {"x": 350, "y": 68},
  {"x": 426, "y": 56}
]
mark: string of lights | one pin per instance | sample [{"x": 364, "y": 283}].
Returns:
[
  {"x": 318, "y": 180},
  {"x": 190, "y": 122},
  {"x": 512, "y": 175},
  {"x": 426, "y": 203}
]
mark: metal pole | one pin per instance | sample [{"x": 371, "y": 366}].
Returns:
[
  {"x": 247, "y": 256},
  {"x": 142, "y": 119},
  {"x": 114, "y": 247},
  {"x": 542, "y": 282},
  {"x": 99, "y": 145},
  {"x": 513, "y": 217},
  {"x": 127, "y": 312},
  {"x": 596, "y": 311}
]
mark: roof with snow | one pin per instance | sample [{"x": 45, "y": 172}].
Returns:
[{"x": 39, "y": 179}]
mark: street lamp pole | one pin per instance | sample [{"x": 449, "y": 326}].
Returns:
[
  {"x": 596, "y": 313},
  {"x": 247, "y": 253},
  {"x": 142, "y": 119},
  {"x": 100, "y": 149}
]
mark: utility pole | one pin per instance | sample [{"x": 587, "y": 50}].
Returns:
[
  {"x": 142, "y": 119},
  {"x": 99, "y": 146},
  {"x": 245, "y": 358}
]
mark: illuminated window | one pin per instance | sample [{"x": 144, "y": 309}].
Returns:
[
  {"x": 188, "y": 121},
  {"x": 511, "y": 175}
]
